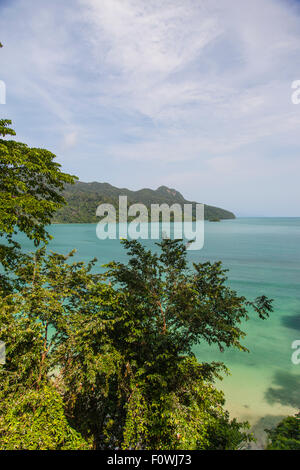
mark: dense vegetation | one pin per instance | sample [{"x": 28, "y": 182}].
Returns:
[
  {"x": 110, "y": 365},
  {"x": 286, "y": 435},
  {"x": 105, "y": 361},
  {"x": 84, "y": 198},
  {"x": 30, "y": 184}
]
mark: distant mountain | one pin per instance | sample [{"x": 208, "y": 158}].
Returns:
[{"x": 83, "y": 199}]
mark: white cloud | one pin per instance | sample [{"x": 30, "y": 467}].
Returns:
[
  {"x": 147, "y": 48},
  {"x": 202, "y": 83},
  {"x": 70, "y": 139},
  {"x": 197, "y": 65}
]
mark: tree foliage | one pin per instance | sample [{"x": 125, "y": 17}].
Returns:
[
  {"x": 32, "y": 413},
  {"x": 286, "y": 435},
  {"x": 35, "y": 420},
  {"x": 31, "y": 184},
  {"x": 118, "y": 346}
]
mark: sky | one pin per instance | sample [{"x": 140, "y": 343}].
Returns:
[{"x": 191, "y": 94}]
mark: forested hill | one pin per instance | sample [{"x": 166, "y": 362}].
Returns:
[{"x": 83, "y": 199}]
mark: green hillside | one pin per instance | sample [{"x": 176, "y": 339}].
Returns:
[{"x": 83, "y": 199}]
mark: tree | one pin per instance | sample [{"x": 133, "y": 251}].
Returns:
[
  {"x": 118, "y": 346},
  {"x": 30, "y": 184},
  {"x": 170, "y": 308},
  {"x": 35, "y": 420},
  {"x": 31, "y": 410},
  {"x": 286, "y": 435},
  {"x": 33, "y": 323},
  {"x": 54, "y": 326}
]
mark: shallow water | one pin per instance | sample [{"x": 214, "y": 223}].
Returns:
[{"x": 263, "y": 257}]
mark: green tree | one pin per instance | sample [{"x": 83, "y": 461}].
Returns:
[
  {"x": 35, "y": 420},
  {"x": 33, "y": 324},
  {"x": 31, "y": 183},
  {"x": 286, "y": 435},
  {"x": 120, "y": 352},
  {"x": 55, "y": 326},
  {"x": 170, "y": 308},
  {"x": 31, "y": 410}
]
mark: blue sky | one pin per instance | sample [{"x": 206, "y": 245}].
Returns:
[{"x": 192, "y": 94}]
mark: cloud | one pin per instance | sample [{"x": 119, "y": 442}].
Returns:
[
  {"x": 200, "y": 83},
  {"x": 70, "y": 139}
]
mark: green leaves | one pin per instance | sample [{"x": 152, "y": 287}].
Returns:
[
  {"x": 185, "y": 306},
  {"x": 36, "y": 420},
  {"x": 4, "y": 123},
  {"x": 286, "y": 435},
  {"x": 170, "y": 308},
  {"x": 31, "y": 184}
]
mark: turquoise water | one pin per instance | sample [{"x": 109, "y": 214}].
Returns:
[{"x": 263, "y": 257}]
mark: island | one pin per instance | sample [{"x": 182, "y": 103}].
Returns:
[{"x": 83, "y": 199}]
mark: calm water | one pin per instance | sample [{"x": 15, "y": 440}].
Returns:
[{"x": 263, "y": 257}]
